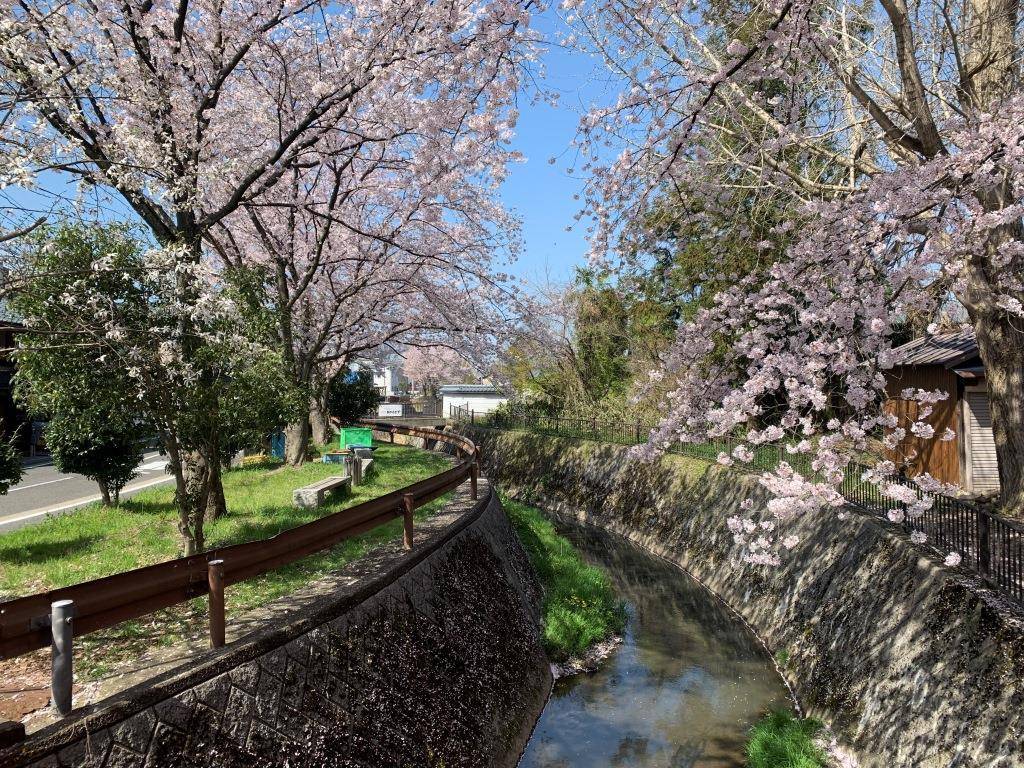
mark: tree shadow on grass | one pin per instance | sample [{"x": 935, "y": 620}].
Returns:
[{"x": 38, "y": 552}]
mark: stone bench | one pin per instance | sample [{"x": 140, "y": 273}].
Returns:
[{"x": 312, "y": 495}]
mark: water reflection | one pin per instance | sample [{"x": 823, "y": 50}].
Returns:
[{"x": 681, "y": 691}]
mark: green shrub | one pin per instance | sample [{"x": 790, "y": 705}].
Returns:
[
  {"x": 782, "y": 740},
  {"x": 11, "y": 468},
  {"x": 580, "y": 607}
]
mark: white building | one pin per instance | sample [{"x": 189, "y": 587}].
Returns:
[
  {"x": 481, "y": 398},
  {"x": 387, "y": 376}
]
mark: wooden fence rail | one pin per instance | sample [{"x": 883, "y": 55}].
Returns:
[{"x": 102, "y": 603}]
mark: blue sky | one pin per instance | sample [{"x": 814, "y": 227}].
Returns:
[{"x": 541, "y": 193}]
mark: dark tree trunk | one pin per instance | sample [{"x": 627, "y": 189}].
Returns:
[
  {"x": 104, "y": 492},
  {"x": 216, "y": 505},
  {"x": 319, "y": 418},
  {"x": 296, "y": 440},
  {"x": 191, "y": 470},
  {"x": 1001, "y": 345}
]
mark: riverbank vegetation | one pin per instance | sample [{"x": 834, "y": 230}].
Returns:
[
  {"x": 580, "y": 608},
  {"x": 782, "y": 740}
]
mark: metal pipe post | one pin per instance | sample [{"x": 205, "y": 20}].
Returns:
[
  {"x": 62, "y": 673},
  {"x": 408, "y": 505},
  {"x": 215, "y": 575}
]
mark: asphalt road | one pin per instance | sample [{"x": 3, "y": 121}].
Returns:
[{"x": 44, "y": 490}]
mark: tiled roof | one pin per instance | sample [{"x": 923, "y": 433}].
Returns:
[
  {"x": 469, "y": 389},
  {"x": 941, "y": 349}
]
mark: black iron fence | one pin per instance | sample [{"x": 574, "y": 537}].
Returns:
[{"x": 990, "y": 545}]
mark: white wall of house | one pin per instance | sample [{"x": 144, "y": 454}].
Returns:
[
  {"x": 483, "y": 403},
  {"x": 387, "y": 377},
  {"x": 979, "y": 445}
]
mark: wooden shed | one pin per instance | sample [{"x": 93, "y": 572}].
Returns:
[{"x": 947, "y": 362}]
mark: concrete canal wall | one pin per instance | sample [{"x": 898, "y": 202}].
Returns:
[
  {"x": 913, "y": 663},
  {"x": 428, "y": 658}
]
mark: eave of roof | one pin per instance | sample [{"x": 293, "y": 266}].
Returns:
[
  {"x": 469, "y": 389},
  {"x": 948, "y": 349}
]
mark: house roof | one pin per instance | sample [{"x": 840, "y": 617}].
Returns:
[
  {"x": 948, "y": 349},
  {"x": 469, "y": 389}
]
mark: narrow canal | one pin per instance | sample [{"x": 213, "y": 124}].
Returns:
[{"x": 680, "y": 692}]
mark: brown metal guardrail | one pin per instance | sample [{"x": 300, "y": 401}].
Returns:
[{"x": 25, "y": 622}]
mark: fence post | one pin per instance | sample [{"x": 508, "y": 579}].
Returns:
[
  {"x": 984, "y": 548},
  {"x": 472, "y": 416},
  {"x": 215, "y": 577},
  {"x": 62, "y": 651},
  {"x": 408, "y": 505},
  {"x": 474, "y": 473}
]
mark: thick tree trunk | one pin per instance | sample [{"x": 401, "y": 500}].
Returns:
[
  {"x": 196, "y": 469},
  {"x": 181, "y": 496},
  {"x": 992, "y": 56},
  {"x": 319, "y": 418},
  {"x": 104, "y": 492},
  {"x": 296, "y": 440},
  {"x": 216, "y": 505},
  {"x": 1001, "y": 344}
]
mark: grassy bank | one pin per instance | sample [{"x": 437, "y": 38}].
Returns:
[
  {"x": 96, "y": 541},
  {"x": 782, "y": 740},
  {"x": 580, "y": 608}
]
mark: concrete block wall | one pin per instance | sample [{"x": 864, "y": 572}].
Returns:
[
  {"x": 434, "y": 661},
  {"x": 915, "y": 664}
]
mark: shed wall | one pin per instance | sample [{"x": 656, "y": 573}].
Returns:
[{"x": 939, "y": 458}]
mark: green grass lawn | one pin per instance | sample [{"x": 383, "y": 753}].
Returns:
[
  {"x": 782, "y": 740},
  {"x": 97, "y": 541},
  {"x": 580, "y": 608}
]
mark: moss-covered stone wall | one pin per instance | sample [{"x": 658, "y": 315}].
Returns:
[{"x": 915, "y": 664}]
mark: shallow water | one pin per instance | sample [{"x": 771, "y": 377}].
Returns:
[{"x": 680, "y": 692}]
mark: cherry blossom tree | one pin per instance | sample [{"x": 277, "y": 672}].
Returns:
[
  {"x": 190, "y": 111},
  {"x": 893, "y": 133},
  {"x": 372, "y": 261},
  {"x": 432, "y": 367}
]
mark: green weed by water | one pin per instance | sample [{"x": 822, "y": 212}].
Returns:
[
  {"x": 782, "y": 740},
  {"x": 580, "y": 607}
]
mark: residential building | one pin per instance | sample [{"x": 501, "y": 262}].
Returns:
[
  {"x": 480, "y": 398},
  {"x": 947, "y": 362}
]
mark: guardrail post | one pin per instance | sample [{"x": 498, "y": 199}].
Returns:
[
  {"x": 408, "y": 505},
  {"x": 215, "y": 575},
  {"x": 984, "y": 546},
  {"x": 62, "y": 673},
  {"x": 474, "y": 473},
  {"x": 355, "y": 466}
]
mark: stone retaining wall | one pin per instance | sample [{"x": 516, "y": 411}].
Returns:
[
  {"x": 913, "y": 663},
  {"x": 430, "y": 658}
]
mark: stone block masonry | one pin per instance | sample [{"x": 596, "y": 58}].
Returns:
[
  {"x": 916, "y": 665},
  {"x": 428, "y": 658}
]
